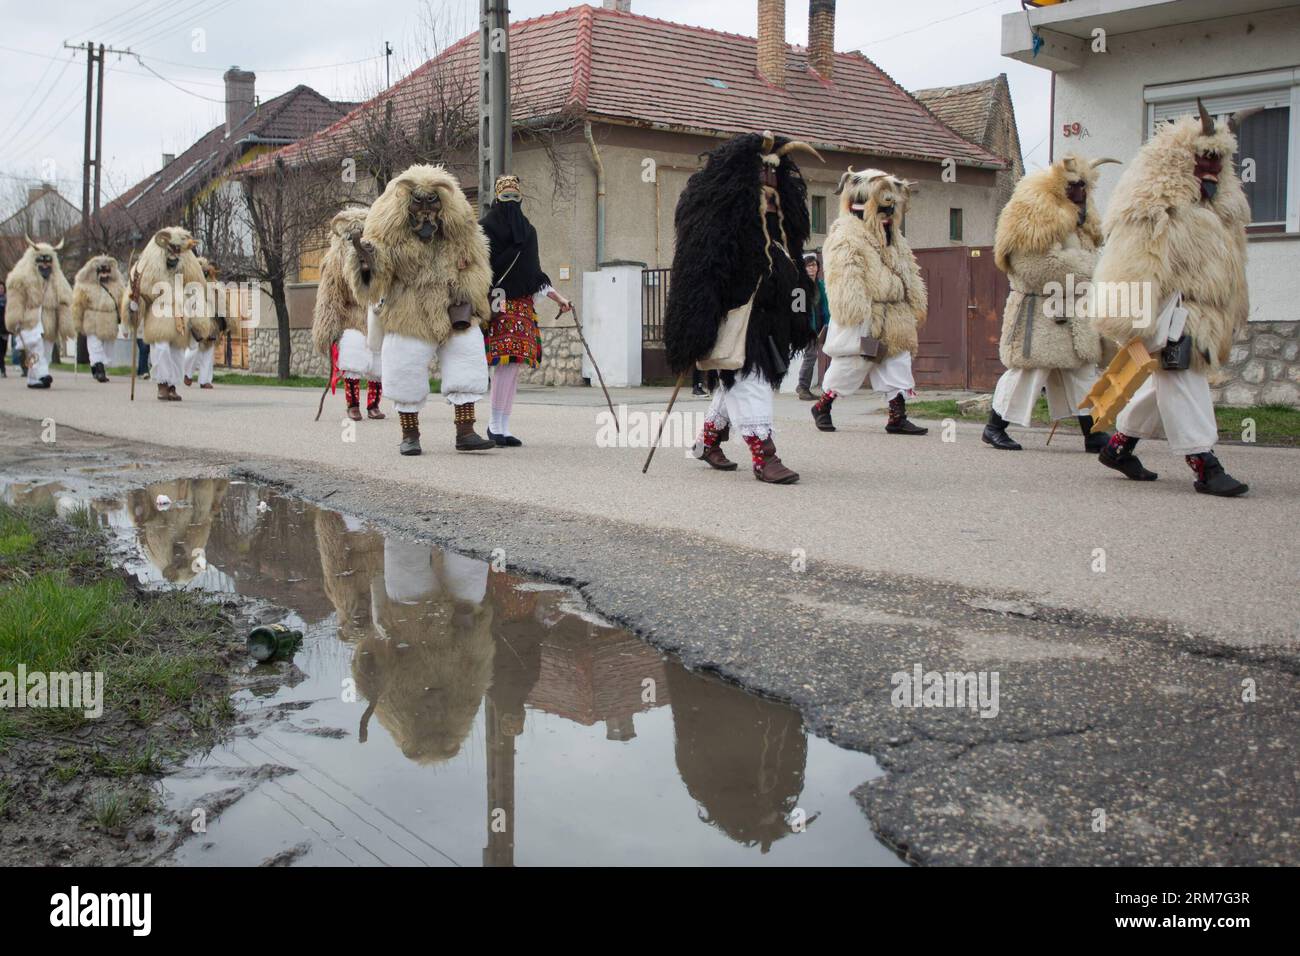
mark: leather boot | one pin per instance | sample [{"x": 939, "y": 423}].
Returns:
[
  {"x": 352, "y": 390},
  {"x": 821, "y": 412},
  {"x": 1093, "y": 442},
  {"x": 995, "y": 434},
  {"x": 767, "y": 467},
  {"x": 805, "y": 394},
  {"x": 466, "y": 438},
  {"x": 1211, "y": 479},
  {"x": 97, "y": 371},
  {"x": 187, "y": 380},
  {"x": 163, "y": 394},
  {"x": 410, "y": 433},
  {"x": 1118, "y": 454},
  {"x": 898, "y": 423},
  {"x": 374, "y": 392},
  {"x": 172, "y": 396},
  {"x": 709, "y": 448}
]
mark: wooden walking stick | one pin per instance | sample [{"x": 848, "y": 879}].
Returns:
[
  {"x": 668, "y": 411},
  {"x": 1052, "y": 432},
  {"x": 578, "y": 325}
]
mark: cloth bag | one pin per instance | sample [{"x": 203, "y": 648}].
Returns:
[{"x": 728, "y": 353}]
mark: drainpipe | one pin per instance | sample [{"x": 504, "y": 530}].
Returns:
[{"x": 600, "y": 193}]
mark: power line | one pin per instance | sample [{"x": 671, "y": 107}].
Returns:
[
  {"x": 143, "y": 29},
  {"x": 926, "y": 26},
  {"x": 37, "y": 107},
  {"x": 181, "y": 25},
  {"x": 116, "y": 16}
]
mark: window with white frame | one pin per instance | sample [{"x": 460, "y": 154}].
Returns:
[{"x": 1269, "y": 140}]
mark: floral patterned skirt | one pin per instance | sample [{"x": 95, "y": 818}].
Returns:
[{"x": 513, "y": 335}]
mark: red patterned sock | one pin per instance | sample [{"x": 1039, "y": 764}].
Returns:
[
  {"x": 710, "y": 436},
  {"x": 373, "y": 391},
  {"x": 824, "y": 402},
  {"x": 352, "y": 389},
  {"x": 1119, "y": 442},
  {"x": 1197, "y": 464},
  {"x": 755, "y": 448}
]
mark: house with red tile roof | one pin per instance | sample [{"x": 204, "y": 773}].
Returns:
[
  {"x": 630, "y": 104},
  {"x": 251, "y": 129}
]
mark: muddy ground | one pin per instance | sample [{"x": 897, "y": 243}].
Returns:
[{"x": 1115, "y": 740}]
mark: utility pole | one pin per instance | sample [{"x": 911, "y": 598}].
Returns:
[
  {"x": 388, "y": 71},
  {"x": 493, "y": 96},
  {"x": 95, "y": 110}
]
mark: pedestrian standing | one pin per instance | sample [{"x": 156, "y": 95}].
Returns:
[
  {"x": 513, "y": 338},
  {"x": 821, "y": 318}
]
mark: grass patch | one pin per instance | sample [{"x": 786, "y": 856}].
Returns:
[
  {"x": 63, "y": 608},
  {"x": 1274, "y": 424},
  {"x": 84, "y": 369},
  {"x": 293, "y": 381},
  {"x": 47, "y": 623}
]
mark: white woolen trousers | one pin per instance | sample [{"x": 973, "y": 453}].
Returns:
[
  {"x": 1172, "y": 405},
  {"x": 414, "y": 574},
  {"x": 747, "y": 405},
  {"x": 98, "y": 351},
  {"x": 33, "y": 341},
  {"x": 462, "y": 364},
  {"x": 198, "y": 363},
  {"x": 893, "y": 376},
  {"x": 165, "y": 363},
  {"x": 356, "y": 360},
  {"x": 1018, "y": 389}
]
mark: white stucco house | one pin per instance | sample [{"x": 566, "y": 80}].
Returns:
[{"x": 1119, "y": 67}]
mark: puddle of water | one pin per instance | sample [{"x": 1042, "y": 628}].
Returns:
[{"x": 442, "y": 713}]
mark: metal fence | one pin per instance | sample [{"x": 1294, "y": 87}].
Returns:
[{"x": 654, "y": 302}]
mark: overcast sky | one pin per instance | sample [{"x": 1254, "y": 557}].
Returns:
[{"x": 922, "y": 43}]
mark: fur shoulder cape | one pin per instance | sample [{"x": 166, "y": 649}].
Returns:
[
  {"x": 418, "y": 281},
  {"x": 33, "y": 299},
  {"x": 1162, "y": 238},
  {"x": 163, "y": 317},
  {"x": 1039, "y": 214},
  {"x": 337, "y": 308},
  {"x": 95, "y": 305}
]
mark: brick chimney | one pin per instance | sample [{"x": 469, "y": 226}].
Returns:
[
  {"x": 771, "y": 41},
  {"x": 622, "y": 6},
  {"x": 239, "y": 96},
  {"x": 821, "y": 36}
]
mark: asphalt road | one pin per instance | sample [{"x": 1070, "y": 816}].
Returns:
[{"x": 1146, "y": 712}]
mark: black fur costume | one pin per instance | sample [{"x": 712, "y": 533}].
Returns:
[{"x": 723, "y": 249}]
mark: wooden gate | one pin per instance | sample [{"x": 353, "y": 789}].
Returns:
[{"x": 959, "y": 341}]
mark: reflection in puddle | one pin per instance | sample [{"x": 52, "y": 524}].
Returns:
[{"x": 440, "y": 712}]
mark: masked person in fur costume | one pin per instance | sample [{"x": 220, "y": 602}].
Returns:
[
  {"x": 422, "y": 263},
  {"x": 426, "y": 661},
  {"x": 1048, "y": 238},
  {"x": 39, "y": 309},
  {"x": 200, "y": 356},
  {"x": 513, "y": 339},
  {"x": 740, "y": 297},
  {"x": 96, "y": 298},
  {"x": 1176, "y": 229},
  {"x": 876, "y": 296},
  {"x": 340, "y": 323},
  {"x": 165, "y": 299}
]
